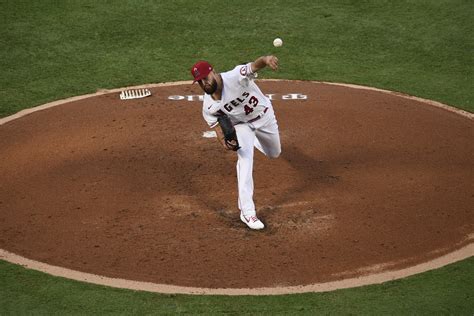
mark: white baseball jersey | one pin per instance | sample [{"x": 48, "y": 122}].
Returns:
[{"x": 241, "y": 98}]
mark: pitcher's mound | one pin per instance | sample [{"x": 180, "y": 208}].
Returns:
[{"x": 367, "y": 181}]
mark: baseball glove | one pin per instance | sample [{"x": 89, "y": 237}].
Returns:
[{"x": 230, "y": 136}]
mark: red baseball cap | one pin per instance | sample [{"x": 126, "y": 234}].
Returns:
[{"x": 200, "y": 70}]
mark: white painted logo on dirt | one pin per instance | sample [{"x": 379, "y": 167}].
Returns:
[{"x": 273, "y": 96}]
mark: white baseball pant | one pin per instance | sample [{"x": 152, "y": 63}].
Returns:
[{"x": 265, "y": 137}]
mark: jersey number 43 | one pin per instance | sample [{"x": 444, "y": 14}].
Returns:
[{"x": 248, "y": 108}]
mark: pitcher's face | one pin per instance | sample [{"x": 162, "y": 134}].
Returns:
[{"x": 209, "y": 83}]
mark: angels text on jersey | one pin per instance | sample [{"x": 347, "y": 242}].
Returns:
[{"x": 248, "y": 106}]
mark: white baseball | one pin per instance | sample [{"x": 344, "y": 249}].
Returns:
[{"x": 277, "y": 42}]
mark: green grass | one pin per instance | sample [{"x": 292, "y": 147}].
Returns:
[
  {"x": 54, "y": 49},
  {"x": 449, "y": 290}
]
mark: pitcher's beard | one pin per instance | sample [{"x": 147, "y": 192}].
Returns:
[{"x": 211, "y": 88}]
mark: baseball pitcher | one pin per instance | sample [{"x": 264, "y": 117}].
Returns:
[{"x": 243, "y": 118}]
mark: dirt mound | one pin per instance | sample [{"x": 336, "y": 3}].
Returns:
[{"x": 131, "y": 189}]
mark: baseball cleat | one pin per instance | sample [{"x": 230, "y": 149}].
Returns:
[{"x": 252, "y": 221}]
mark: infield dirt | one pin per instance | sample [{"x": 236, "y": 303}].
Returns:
[{"x": 366, "y": 182}]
